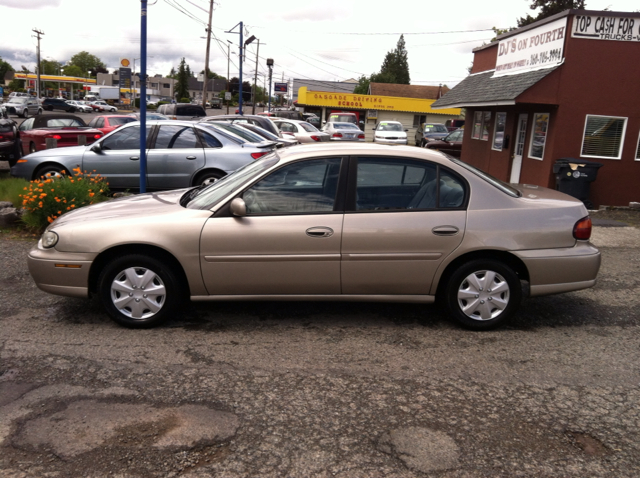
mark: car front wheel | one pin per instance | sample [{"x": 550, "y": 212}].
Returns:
[
  {"x": 483, "y": 294},
  {"x": 139, "y": 291},
  {"x": 25, "y": 113}
]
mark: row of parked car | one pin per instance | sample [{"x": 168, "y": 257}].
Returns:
[{"x": 26, "y": 106}]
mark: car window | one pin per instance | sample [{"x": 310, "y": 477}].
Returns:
[
  {"x": 100, "y": 123},
  {"x": 176, "y": 137},
  {"x": 392, "y": 183},
  {"x": 189, "y": 110},
  {"x": 303, "y": 187},
  {"x": 209, "y": 140},
  {"x": 455, "y": 136},
  {"x": 126, "y": 138},
  {"x": 113, "y": 121},
  {"x": 27, "y": 124},
  {"x": 308, "y": 127},
  {"x": 287, "y": 127},
  {"x": 62, "y": 122}
]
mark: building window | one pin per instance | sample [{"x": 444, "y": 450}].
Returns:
[
  {"x": 481, "y": 120},
  {"x": 418, "y": 120},
  {"x": 498, "y": 131},
  {"x": 603, "y": 137},
  {"x": 166, "y": 85},
  {"x": 539, "y": 135},
  {"x": 154, "y": 85}
]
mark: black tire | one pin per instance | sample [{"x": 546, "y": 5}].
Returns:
[
  {"x": 121, "y": 288},
  {"x": 207, "y": 178},
  {"x": 49, "y": 172},
  {"x": 25, "y": 113},
  {"x": 32, "y": 148},
  {"x": 72, "y": 110},
  {"x": 502, "y": 299}
]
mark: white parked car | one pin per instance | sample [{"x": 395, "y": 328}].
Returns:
[
  {"x": 301, "y": 130},
  {"x": 105, "y": 106},
  {"x": 390, "y": 132},
  {"x": 80, "y": 106}
]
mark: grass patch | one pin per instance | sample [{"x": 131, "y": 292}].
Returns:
[{"x": 11, "y": 189}]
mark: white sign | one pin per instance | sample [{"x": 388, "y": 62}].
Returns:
[
  {"x": 535, "y": 49},
  {"x": 227, "y": 95},
  {"x": 606, "y": 28}
]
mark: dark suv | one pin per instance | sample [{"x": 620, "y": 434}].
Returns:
[
  {"x": 182, "y": 111},
  {"x": 51, "y": 104}
]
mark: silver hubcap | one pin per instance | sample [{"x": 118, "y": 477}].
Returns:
[
  {"x": 483, "y": 295},
  {"x": 138, "y": 293}
]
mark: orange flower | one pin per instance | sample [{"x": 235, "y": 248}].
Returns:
[
  {"x": 91, "y": 195},
  {"x": 40, "y": 204},
  {"x": 49, "y": 219},
  {"x": 73, "y": 205},
  {"x": 59, "y": 212}
]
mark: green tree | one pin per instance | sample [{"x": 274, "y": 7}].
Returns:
[
  {"x": 182, "y": 85},
  {"x": 396, "y": 65},
  {"x": 173, "y": 74},
  {"x": 72, "y": 70},
  {"x": 549, "y": 8},
  {"x": 4, "y": 68},
  {"x": 88, "y": 63},
  {"x": 363, "y": 85}
]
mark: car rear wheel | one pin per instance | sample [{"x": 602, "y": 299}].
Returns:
[
  {"x": 25, "y": 113},
  {"x": 32, "y": 147},
  {"x": 208, "y": 178},
  {"x": 139, "y": 291},
  {"x": 483, "y": 294}
]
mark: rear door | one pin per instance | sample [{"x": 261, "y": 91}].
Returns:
[
  {"x": 175, "y": 157},
  {"x": 404, "y": 217}
]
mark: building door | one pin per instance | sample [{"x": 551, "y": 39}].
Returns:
[{"x": 518, "y": 151}]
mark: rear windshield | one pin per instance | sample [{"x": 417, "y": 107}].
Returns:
[
  {"x": 504, "y": 187},
  {"x": 308, "y": 127},
  {"x": 115, "y": 121},
  {"x": 62, "y": 122},
  {"x": 345, "y": 126}
]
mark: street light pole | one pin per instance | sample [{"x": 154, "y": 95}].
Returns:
[
  {"x": 255, "y": 79},
  {"x": 270, "y": 65}
]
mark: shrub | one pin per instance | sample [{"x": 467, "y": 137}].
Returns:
[
  {"x": 47, "y": 199},
  {"x": 11, "y": 189},
  {"x": 185, "y": 100}
]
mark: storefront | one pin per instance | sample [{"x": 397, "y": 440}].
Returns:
[
  {"x": 563, "y": 87},
  {"x": 371, "y": 109}
]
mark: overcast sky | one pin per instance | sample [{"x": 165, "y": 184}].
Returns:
[{"x": 328, "y": 40}]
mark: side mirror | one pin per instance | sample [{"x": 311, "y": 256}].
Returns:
[
  {"x": 96, "y": 148},
  {"x": 238, "y": 207}
]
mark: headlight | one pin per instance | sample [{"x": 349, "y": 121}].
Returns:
[{"x": 49, "y": 239}]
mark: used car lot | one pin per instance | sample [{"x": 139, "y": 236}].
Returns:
[
  {"x": 301, "y": 224},
  {"x": 394, "y": 392},
  {"x": 180, "y": 154}
]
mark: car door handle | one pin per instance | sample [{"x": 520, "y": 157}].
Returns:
[
  {"x": 319, "y": 231},
  {"x": 134, "y": 158},
  {"x": 191, "y": 157},
  {"x": 445, "y": 230}
]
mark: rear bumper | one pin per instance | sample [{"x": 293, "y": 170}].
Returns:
[{"x": 552, "y": 271}]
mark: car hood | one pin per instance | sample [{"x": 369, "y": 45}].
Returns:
[
  {"x": 71, "y": 152},
  {"x": 147, "y": 204}
]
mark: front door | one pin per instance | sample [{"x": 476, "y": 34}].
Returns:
[
  {"x": 518, "y": 150},
  {"x": 289, "y": 241}
]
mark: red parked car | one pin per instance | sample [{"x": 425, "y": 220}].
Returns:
[
  {"x": 450, "y": 144},
  {"x": 107, "y": 123},
  {"x": 65, "y": 128}
]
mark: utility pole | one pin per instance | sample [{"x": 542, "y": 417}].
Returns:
[
  {"x": 228, "y": 60},
  {"x": 241, "y": 46},
  {"x": 270, "y": 65},
  {"x": 255, "y": 79},
  {"x": 38, "y": 33},
  {"x": 206, "y": 60}
]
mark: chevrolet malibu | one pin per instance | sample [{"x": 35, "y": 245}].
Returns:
[{"x": 348, "y": 222}]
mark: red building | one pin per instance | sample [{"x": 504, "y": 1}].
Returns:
[{"x": 567, "y": 86}]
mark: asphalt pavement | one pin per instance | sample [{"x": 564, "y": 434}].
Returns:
[{"x": 288, "y": 389}]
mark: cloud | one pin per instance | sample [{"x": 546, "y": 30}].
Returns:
[{"x": 31, "y": 4}]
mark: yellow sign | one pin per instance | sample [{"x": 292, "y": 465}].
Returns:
[
  {"x": 61, "y": 79},
  {"x": 125, "y": 62},
  {"x": 370, "y": 102}
]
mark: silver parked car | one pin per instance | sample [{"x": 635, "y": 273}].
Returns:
[
  {"x": 350, "y": 222},
  {"x": 301, "y": 130},
  {"x": 343, "y": 132},
  {"x": 179, "y": 154},
  {"x": 80, "y": 106},
  {"x": 24, "y": 106}
]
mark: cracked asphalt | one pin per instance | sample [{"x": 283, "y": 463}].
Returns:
[{"x": 323, "y": 389}]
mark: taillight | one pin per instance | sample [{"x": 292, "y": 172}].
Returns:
[
  {"x": 336, "y": 135},
  {"x": 582, "y": 229},
  {"x": 55, "y": 136},
  {"x": 315, "y": 138},
  {"x": 97, "y": 136},
  {"x": 361, "y": 136},
  {"x": 258, "y": 155}
]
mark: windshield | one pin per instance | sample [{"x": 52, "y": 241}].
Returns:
[
  {"x": 242, "y": 132},
  {"x": 18, "y": 99},
  {"x": 64, "y": 122},
  {"x": 435, "y": 128},
  {"x": 226, "y": 133},
  {"x": 390, "y": 127},
  {"x": 308, "y": 127},
  {"x": 211, "y": 195},
  {"x": 504, "y": 187}
]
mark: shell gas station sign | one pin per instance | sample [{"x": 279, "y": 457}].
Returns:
[{"x": 369, "y": 102}]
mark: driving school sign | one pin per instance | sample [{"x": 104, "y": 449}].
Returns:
[
  {"x": 594, "y": 27},
  {"x": 535, "y": 49}
]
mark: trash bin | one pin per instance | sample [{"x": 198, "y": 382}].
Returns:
[{"x": 573, "y": 177}]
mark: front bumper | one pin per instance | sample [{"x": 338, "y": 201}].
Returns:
[
  {"x": 552, "y": 271},
  {"x": 60, "y": 273},
  {"x": 390, "y": 141}
]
